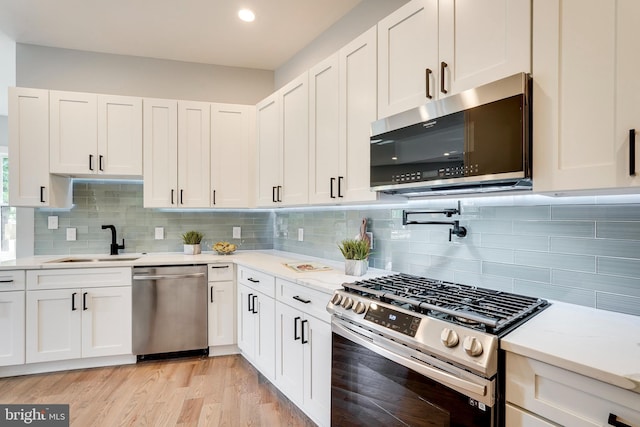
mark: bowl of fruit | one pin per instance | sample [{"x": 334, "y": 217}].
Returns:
[{"x": 224, "y": 248}]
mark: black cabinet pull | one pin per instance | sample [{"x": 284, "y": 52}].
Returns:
[
  {"x": 340, "y": 178},
  {"x": 6, "y": 281},
  {"x": 427, "y": 83},
  {"x": 443, "y": 66},
  {"x": 219, "y": 266},
  {"x": 73, "y": 301},
  {"x": 211, "y": 297},
  {"x": 613, "y": 420},
  {"x": 252, "y": 280},
  {"x": 302, "y": 300},
  {"x": 253, "y": 309},
  {"x": 632, "y": 152},
  {"x": 84, "y": 301},
  {"x": 279, "y": 198},
  {"x": 214, "y": 197},
  {"x": 273, "y": 194},
  {"x": 90, "y": 162},
  {"x": 171, "y": 196},
  {"x": 41, "y": 194},
  {"x": 295, "y": 328},
  {"x": 181, "y": 196},
  {"x": 100, "y": 157},
  {"x": 331, "y": 182},
  {"x": 249, "y": 300},
  {"x": 304, "y": 340}
]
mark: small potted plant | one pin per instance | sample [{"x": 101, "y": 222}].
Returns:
[
  {"x": 191, "y": 240},
  {"x": 356, "y": 256}
]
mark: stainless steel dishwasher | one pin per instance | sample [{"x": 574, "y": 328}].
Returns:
[{"x": 169, "y": 309}]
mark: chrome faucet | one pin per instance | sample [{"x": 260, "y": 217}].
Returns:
[{"x": 114, "y": 245}]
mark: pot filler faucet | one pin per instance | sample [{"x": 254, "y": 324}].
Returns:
[{"x": 114, "y": 245}]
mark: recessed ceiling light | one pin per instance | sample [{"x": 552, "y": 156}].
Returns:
[{"x": 246, "y": 15}]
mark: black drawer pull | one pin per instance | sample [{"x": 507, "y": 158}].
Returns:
[
  {"x": 181, "y": 197},
  {"x": 331, "y": 182},
  {"x": 295, "y": 328},
  {"x": 304, "y": 340},
  {"x": 73, "y": 301},
  {"x": 613, "y": 420},
  {"x": 340, "y": 178},
  {"x": 41, "y": 194},
  {"x": 252, "y": 280},
  {"x": 6, "y": 281},
  {"x": 172, "y": 196},
  {"x": 90, "y": 162},
  {"x": 219, "y": 266},
  {"x": 84, "y": 301},
  {"x": 100, "y": 157},
  {"x": 302, "y": 300},
  {"x": 632, "y": 152}
]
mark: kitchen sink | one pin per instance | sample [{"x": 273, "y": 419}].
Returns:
[{"x": 95, "y": 259}]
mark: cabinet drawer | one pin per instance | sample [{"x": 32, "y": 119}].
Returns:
[
  {"x": 78, "y": 278},
  {"x": 307, "y": 300},
  {"x": 257, "y": 280},
  {"x": 12, "y": 280},
  {"x": 220, "y": 272},
  {"x": 565, "y": 397}
]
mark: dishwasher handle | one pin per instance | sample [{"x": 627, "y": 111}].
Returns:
[{"x": 168, "y": 276}]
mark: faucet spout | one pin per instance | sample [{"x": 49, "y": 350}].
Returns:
[{"x": 114, "y": 247}]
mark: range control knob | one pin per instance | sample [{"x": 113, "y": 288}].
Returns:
[
  {"x": 336, "y": 299},
  {"x": 360, "y": 307},
  {"x": 472, "y": 346},
  {"x": 449, "y": 337},
  {"x": 347, "y": 303}
]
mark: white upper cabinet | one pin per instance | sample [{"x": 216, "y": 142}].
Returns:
[
  {"x": 325, "y": 147},
  {"x": 482, "y": 40},
  {"x": 95, "y": 134},
  {"x": 194, "y": 154},
  {"x": 342, "y": 103},
  {"x": 119, "y": 135},
  {"x": 232, "y": 154},
  {"x": 283, "y": 145},
  {"x": 176, "y": 153},
  {"x": 268, "y": 150},
  {"x": 160, "y": 151},
  {"x": 358, "y": 108},
  {"x": 582, "y": 119},
  {"x": 429, "y": 49},
  {"x": 30, "y": 183},
  {"x": 408, "y": 67}
]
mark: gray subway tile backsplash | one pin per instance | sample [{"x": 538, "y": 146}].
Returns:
[{"x": 584, "y": 250}]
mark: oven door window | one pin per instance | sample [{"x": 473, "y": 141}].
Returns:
[{"x": 370, "y": 390}]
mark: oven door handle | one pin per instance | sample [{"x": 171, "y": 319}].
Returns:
[{"x": 426, "y": 370}]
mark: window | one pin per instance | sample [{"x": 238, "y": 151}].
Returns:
[{"x": 7, "y": 213}]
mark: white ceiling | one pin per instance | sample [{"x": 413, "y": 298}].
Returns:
[{"x": 204, "y": 31}]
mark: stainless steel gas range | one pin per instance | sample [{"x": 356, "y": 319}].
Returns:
[{"x": 411, "y": 351}]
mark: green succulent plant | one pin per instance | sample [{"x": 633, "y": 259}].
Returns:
[
  {"x": 355, "y": 249},
  {"x": 192, "y": 237}
]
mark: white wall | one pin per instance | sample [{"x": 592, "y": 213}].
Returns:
[
  {"x": 82, "y": 71},
  {"x": 362, "y": 17}
]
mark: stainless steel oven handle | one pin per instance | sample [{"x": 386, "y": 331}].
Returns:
[
  {"x": 168, "y": 276},
  {"x": 426, "y": 370}
]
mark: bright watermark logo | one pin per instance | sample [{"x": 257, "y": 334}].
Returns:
[{"x": 34, "y": 415}]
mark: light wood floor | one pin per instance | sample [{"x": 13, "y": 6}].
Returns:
[{"x": 200, "y": 391}]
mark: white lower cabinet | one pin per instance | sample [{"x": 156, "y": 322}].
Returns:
[
  {"x": 222, "y": 303},
  {"x": 539, "y": 394},
  {"x": 63, "y": 322},
  {"x": 11, "y": 318},
  {"x": 303, "y": 350},
  {"x": 256, "y": 320}
]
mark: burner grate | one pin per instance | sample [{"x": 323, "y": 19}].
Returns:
[{"x": 480, "y": 308}]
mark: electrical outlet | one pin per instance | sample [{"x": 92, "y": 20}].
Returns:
[
  {"x": 300, "y": 234},
  {"x": 237, "y": 233},
  {"x": 159, "y": 233},
  {"x": 71, "y": 234},
  {"x": 52, "y": 223}
]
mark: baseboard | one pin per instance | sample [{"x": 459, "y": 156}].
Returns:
[{"x": 65, "y": 365}]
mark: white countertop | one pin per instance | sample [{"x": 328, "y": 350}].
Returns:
[
  {"x": 269, "y": 261},
  {"x": 595, "y": 343},
  {"x": 599, "y": 344}
]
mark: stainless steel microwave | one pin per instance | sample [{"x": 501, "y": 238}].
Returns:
[{"x": 475, "y": 141}]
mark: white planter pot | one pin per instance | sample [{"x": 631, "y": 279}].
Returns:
[
  {"x": 355, "y": 267},
  {"x": 192, "y": 249}
]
